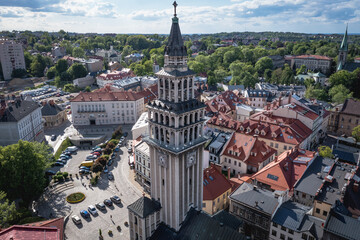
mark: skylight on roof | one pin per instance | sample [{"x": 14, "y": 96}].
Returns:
[
  {"x": 211, "y": 178},
  {"x": 272, "y": 177}
]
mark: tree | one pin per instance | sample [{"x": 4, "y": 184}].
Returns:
[
  {"x": 28, "y": 59},
  {"x": 276, "y": 76},
  {"x": 61, "y": 66},
  {"x": 18, "y": 73},
  {"x": 37, "y": 66},
  {"x": 325, "y": 151},
  {"x": 69, "y": 88},
  {"x": 77, "y": 70},
  {"x": 87, "y": 89},
  {"x": 65, "y": 77},
  {"x": 7, "y": 211},
  {"x": 127, "y": 50},
  {"x": 301, "y": 70},
  {"x": 287, "y": 76},
  {"x": 22, "y": 167},
  {"x": 341, "y": 77},
  {"x": 51, "y": 73},
  {"x": 309, "y": 82},
  {"x": 78, "y": 52},
  {"x": 313, "y": 93},
  {"x": 339, "y": 93},
  {"x": 356, "y": 133},
  {"x": 262, "y": 64}
]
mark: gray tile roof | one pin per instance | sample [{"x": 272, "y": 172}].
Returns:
[
  {"x": 51, "y": 109},
  {"x": 228, "y": 219},
  {"x": 291, "y": 215},
  {"x": 248, "y": 194},
  {"x": 310, "y": 181},
  {"x": 18, "y": 111},
  {"x": 144, "y": 206},
  {"x": 346, "y": 156},
  {"x": 200, "y": 226},
  {"x": 175, "y": 73},
  {"x": 342, "y": 225}
]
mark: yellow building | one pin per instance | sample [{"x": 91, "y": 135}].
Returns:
[
  {"x": 216, "y": 190},
  {"x": 53, "y": 114}
]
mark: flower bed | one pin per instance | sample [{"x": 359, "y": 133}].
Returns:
[{"x": 75, "y": 197}]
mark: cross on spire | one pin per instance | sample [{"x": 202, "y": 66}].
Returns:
[{"x": 175, "y": 5}]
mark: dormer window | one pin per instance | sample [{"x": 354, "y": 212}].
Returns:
[
  {"x": 248, "y": 130},
  {"x": 230, "y": 152},
  {"x": 273, "y": 135},
  {"x": 263, "y": 133},
  {"x": 242, "y": 128},
  {"x": 257, "y": 131}
]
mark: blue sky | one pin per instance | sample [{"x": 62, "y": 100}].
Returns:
[{"x": 196, "y": 16}]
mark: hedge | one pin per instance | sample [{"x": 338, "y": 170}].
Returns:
[
  {"x": 75, "y": 197},
  {"x": 64, "y": 145}
]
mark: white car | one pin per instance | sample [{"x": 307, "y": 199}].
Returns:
[
  {"x": 92, "y": 210},
  {"x": 76, "y": 219},
  {"x": 91, "y": 156}
]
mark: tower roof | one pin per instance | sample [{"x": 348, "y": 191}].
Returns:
[
  {"x": 175, "y": 45},
  {"x": 344, "y": 43}
]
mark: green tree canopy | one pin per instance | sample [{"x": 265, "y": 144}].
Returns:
[
  {"x": 22, "y": 167},
  {"x": 356, "y": 133},
  {"x": 313, "y": 93},
  {"x": 7, "y": 211},
  {"x": 301, "y": 70},
  {"x": 78, "y": 52},
  {"x": 339, "y": 93},
  {"x": 325, "y": 151},
  {"x": 51, "y": 73},
  {"x": 77, "y": 70},
  {"x": 262, "y": 64},
  {"x": 37, "y": 66},
  {"x": 61, "y": 66}
]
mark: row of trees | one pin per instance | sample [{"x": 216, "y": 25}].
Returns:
[{"x": 64, "y": 74}]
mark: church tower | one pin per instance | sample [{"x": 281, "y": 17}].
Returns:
[
  {"x": 176, "y": 136},
  {"x": 343, "y": 50}
]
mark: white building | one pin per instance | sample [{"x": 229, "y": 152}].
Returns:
[
  {"x": 109, "y": 55},
  {"x": 11, "y": 57},
  {"x": 243, "y": 112},
  {"x": 256, "y": 98},
  {"x": 141, "y": 126},
  {"x": 142, "y": 165},
  {"x": 20, "y": 120},
  {"x": 105, "y": 106},
  {"x": 110, "y": 77}
]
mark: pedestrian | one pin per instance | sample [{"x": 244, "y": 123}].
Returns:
[{"x": 111, "y": 216}]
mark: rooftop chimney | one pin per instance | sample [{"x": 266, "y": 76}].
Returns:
[{"x": 228, "y": 173}]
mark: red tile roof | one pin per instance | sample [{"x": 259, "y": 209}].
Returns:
[
  {"x": 117, "y": 75},
  {"x": 19, "y": 232},
  {"x": 317, "y": 57},
  {"x": 224, "y": 102},
  {"x": 286, "y": 130},
  {"x": 215, "y": 183},
  {"x": 282, "y": 173},
  {"x": 248, "y": 149},
  {"x": 107, "y": 94},
  {"x": 56, "y": 222}
]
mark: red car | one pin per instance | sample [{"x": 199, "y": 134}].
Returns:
[{"x": 96, "y": 153}]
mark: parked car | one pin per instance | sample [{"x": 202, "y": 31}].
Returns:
[
  {"x": 96, "y": 148},
  {"x": 85, "y": 168},
  {"x": 72, "y": 149},
  {"x": 63, "y": 156},
  {"x": 84, "y": 213},
  {"x": 108, "y": 202},
  {"x": 57, "y": 163},
  {"x": 62, "y": 160},
  {"x": 110, "y": 176},
  {"x": 122, "y": 139},
  {"x": 125, "y": 134},
  {"x": 116, "y": 149},
  {"x": 50, "y": 173},
  {"x": 91, "y": 156},
  {"x": 53, "y": 137},
  {"x": 129, "y": 150},
  {"x": 115, "y": 199},
  {"x": 92, "y": 210},
  {"x": 106, "y": 170},
  {"x": 96, "y": 153},
  {"x": 110, "y": 162},
  {"x": 84, "y": 171},
  {"x": 100, "y": 206},
  {"x": 76, "y": 219}
]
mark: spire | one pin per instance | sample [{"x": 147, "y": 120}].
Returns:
[
  {"x": 175, "y": 45},
  {"x": 344, "y": 43}
]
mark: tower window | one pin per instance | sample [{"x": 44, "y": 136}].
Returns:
[
  {"x": 163, "y": 182},
  {"x": 190, "y": 181}
]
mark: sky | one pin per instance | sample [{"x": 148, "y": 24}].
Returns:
[{"x": 196, "y": 16}]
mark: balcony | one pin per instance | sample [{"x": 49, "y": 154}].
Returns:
[{"x": 91, "y": 111}]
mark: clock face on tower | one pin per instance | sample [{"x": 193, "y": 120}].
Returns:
[
  {"x": 162, "y": 159},
  {"x": 191, "y": 159}
]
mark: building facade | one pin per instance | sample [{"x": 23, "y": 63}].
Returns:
[
  {"x": 343, "y": 120},
  {"x": 11, "y": 57},
  {"x": 20, "y": 120},
  {"x": 106, "y": 106},
  {"x": 312, "y": 62},
  {"x": 53, "y": 114},
  {"x": 142, "y": 165}
]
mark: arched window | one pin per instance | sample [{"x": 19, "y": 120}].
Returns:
[{"x": 135, "y": 220}]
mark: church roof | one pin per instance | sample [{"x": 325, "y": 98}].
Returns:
[
  {"x": 144, "y": 207},
  {"x": 175, "y": 45},
  {"x": 344, "y": 43}
]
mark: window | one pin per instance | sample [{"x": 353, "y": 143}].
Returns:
[
  {"x": 325, "y": 213},
  {"x": 234, "y": 162},
  {"x": 317, "y": 210},
  {"x": 204, "y": 205},
  {"x": 229, "y": 160},
  {"x": 274, "y": 225},
  {"x": 282, "y": 236},
  {"x": 303, "y": 195},
  {"x": 289, "y": 238},
  {"x": 218, "y": 200},
  {"x": 304, "y": 236},
  {"x": 273, "y": 232},
  {"x": 283, "y": 228},
  {"x": 271, "y": 144},
  {"x": 239, "y": 164},
  {"x": 135, "y": 220},
  {"x": 311, "y": 238},
  {"x": 285, "y": 147},
  {"x": 276, "y": 145},
  {"x": 291, "y": 231}
]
